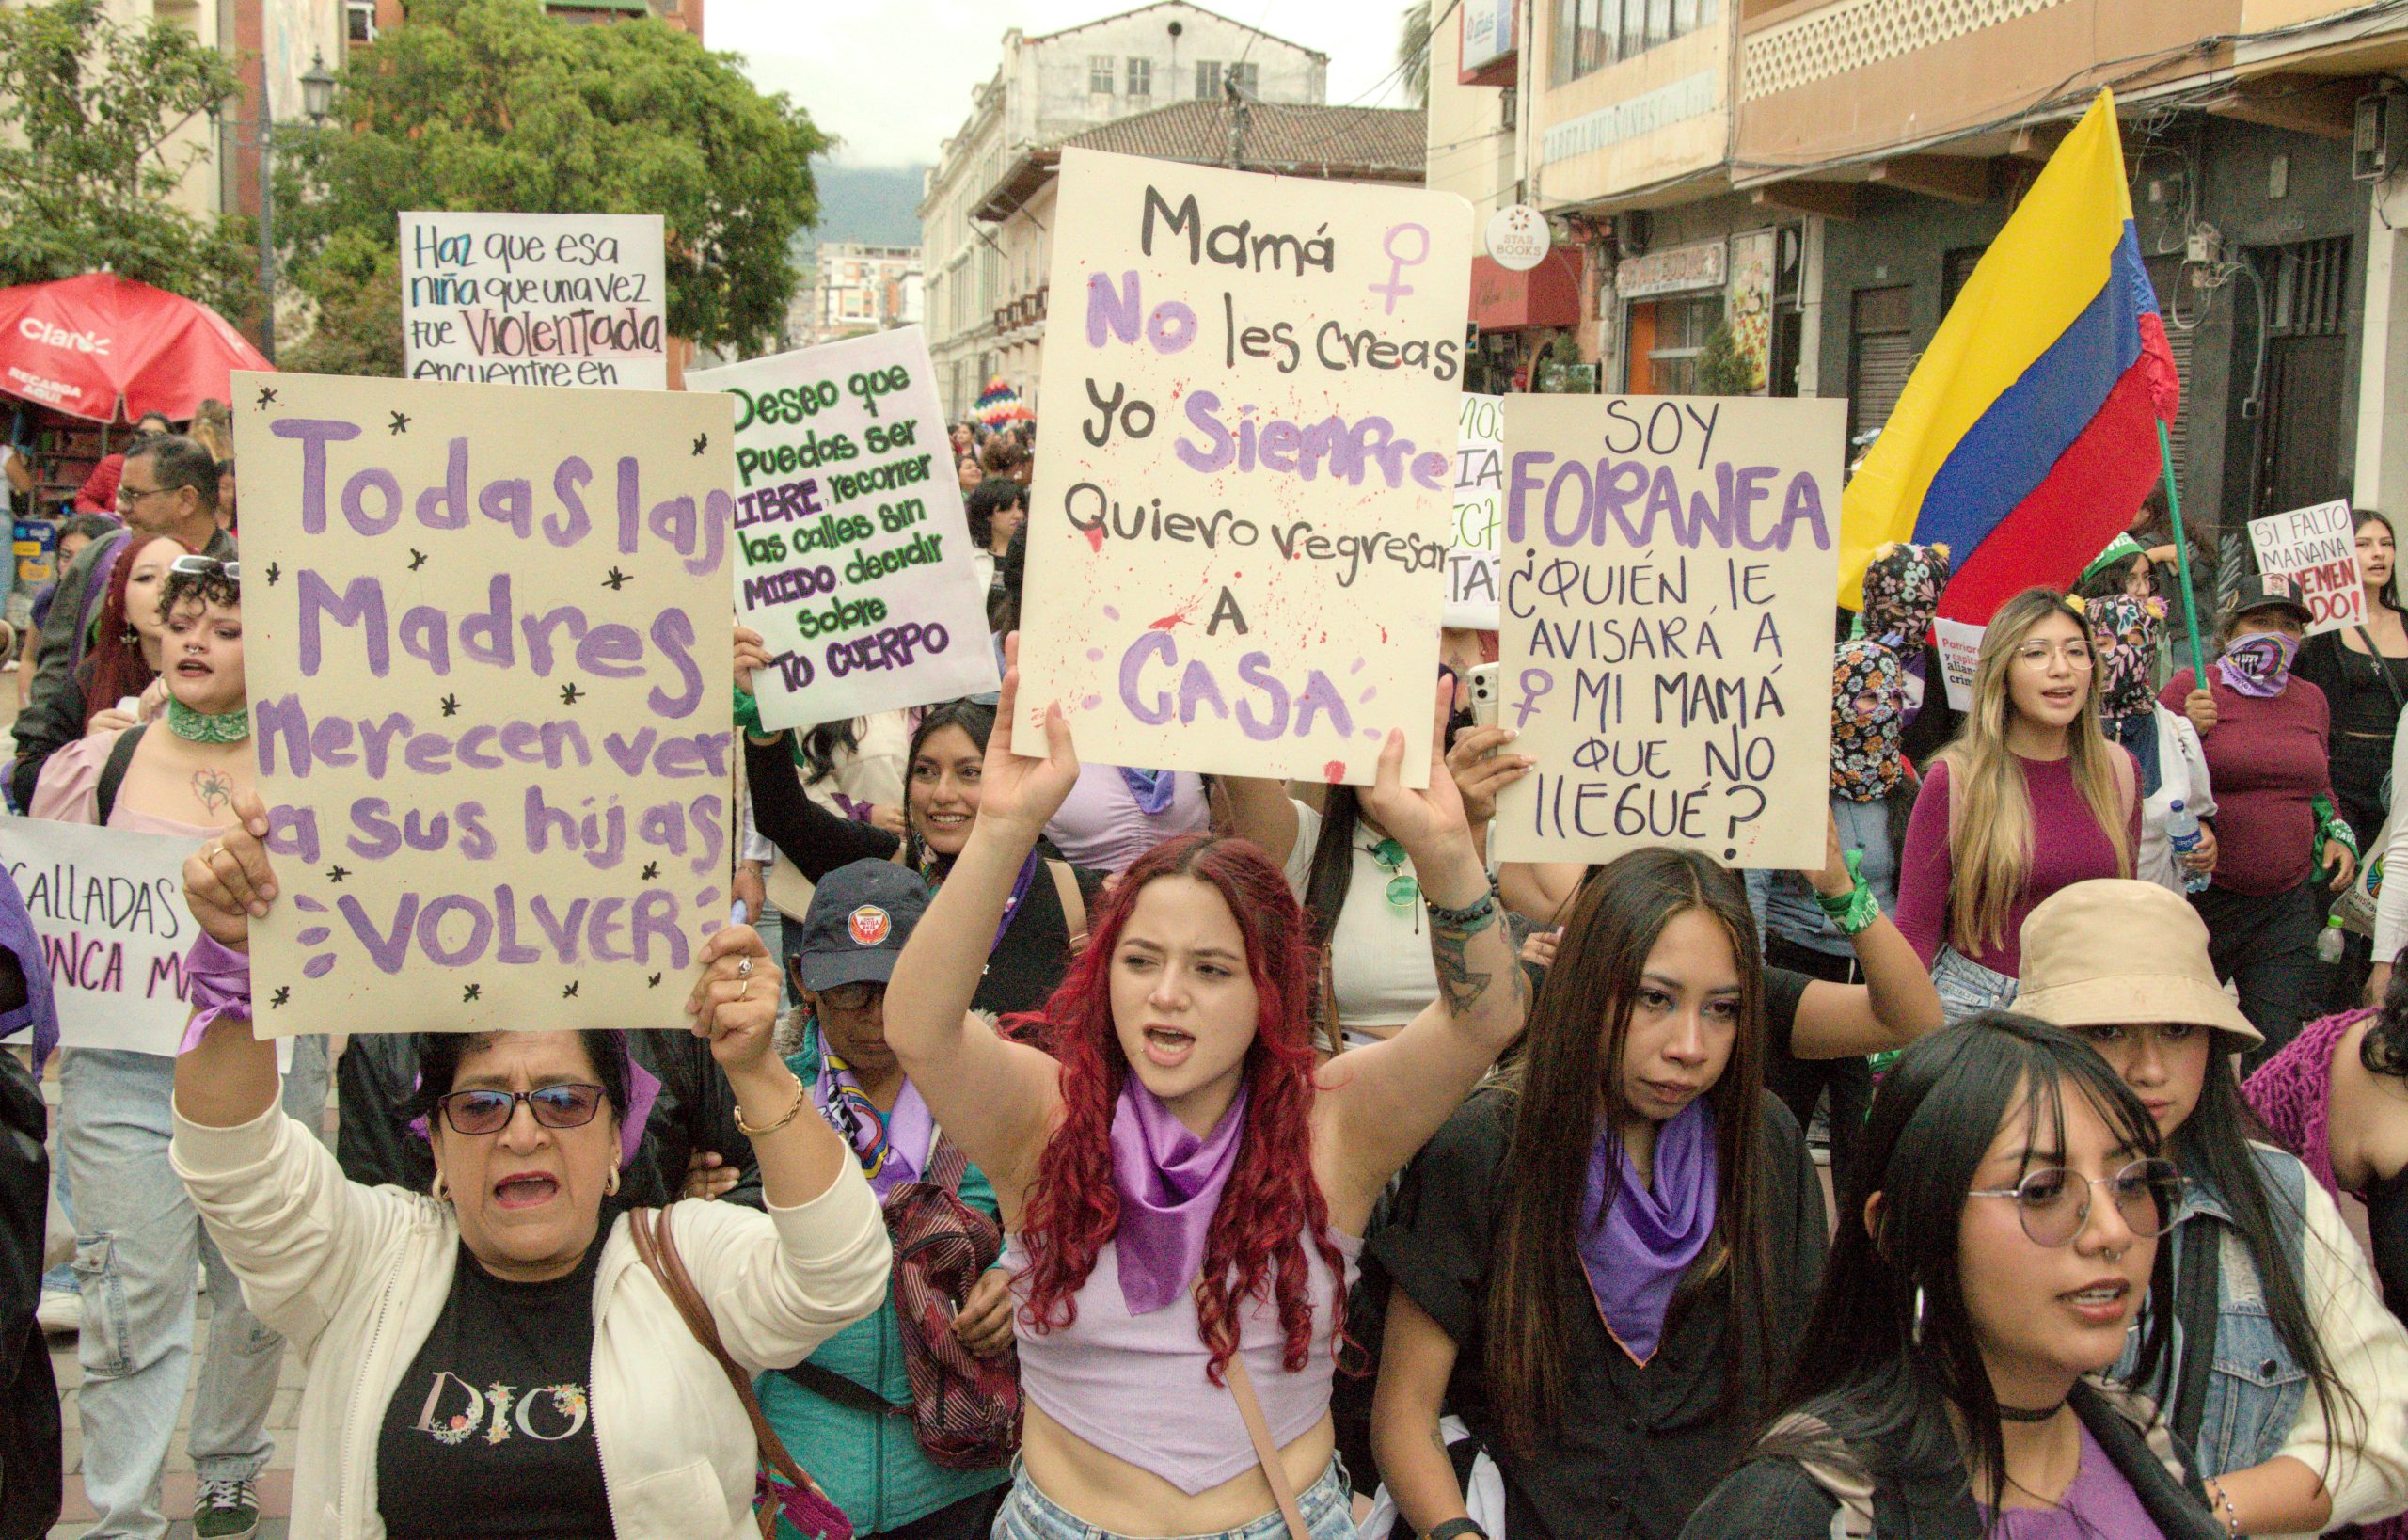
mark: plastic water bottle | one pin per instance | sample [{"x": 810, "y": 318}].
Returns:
[
  {"x": 2331, "y": 941},
  {"x": 2183, "y": 834}
]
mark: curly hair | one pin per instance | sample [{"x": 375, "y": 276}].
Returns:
[{"x": 1254, "y": 1248}]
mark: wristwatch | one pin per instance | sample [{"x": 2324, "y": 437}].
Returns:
[{"x": 1455, "y": 1529}]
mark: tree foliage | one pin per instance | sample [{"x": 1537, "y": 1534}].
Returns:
[
  {"x": 491, "y": 105},
  {"x": 87, "y": 179},
  {"x": 1413, "y": 51},
  {"x": 1722, "y": 369}
]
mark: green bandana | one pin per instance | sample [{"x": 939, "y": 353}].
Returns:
[{"x": 201, "y": 727}]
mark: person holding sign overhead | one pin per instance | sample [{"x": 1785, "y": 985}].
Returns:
[
  {"x": 522, "y": 1274},
  {"x": 2028, "y": 798},
  {"x": 2266, "y": 732},
  {"x": 1182, "y": 1182},
  {"x": 179, "y": 775},
  {"x": 1048, "y": 907}
]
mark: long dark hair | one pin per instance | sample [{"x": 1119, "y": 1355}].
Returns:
[
  {"x": 2388, "y": 593},
  {"x": 1332, "y": 872},
  {"x": 2383, "y": 1050},
  {"x": 1538, "y": 1290},
  {"x": 823, "y": 743},
  {"x": 1860, "y": 1372},
  {"x": 2212, "y": 1148},
  {"x": 971, "y": 718}
]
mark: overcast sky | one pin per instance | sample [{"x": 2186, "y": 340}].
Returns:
[{"x": 893, "y": 78}]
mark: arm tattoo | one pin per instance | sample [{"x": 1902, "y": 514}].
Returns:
[{"x": 1459, "y": 984}]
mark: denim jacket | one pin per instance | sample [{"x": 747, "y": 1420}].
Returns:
[{"x": 2256, "y": 1387}]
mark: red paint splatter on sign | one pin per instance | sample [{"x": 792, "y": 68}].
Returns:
[
  {"x": 1334, "y": 771},
  {"x": 1095, "y": 538},
  {"x": 1177, "y": 617}
]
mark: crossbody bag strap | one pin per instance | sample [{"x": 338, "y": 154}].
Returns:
[
  {"x": 1274, "y": 1470},
  {"x": 2374, "y": 656},
  {"x": 2200, "y": 1259}
]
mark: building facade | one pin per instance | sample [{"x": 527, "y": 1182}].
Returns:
[
  {"x": 1821, "y": 176},
  {"x": 1046, "y": 89},
  {"x": 855, "y": 288}
]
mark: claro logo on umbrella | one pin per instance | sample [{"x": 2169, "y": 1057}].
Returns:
[{"x": 34, "y": 328}]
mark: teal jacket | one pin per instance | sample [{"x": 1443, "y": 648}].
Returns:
[{"x": 870, "y": 1463}]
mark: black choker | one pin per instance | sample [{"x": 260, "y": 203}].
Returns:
[{"x": 2019, "y": 1414}]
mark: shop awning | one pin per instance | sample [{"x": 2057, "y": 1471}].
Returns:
[{"x": 1547, "y": 295}]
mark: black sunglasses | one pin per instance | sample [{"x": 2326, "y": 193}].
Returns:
[{"x": 480, "y": 1112}]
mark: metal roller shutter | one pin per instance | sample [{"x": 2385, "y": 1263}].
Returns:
[{"x": 1880, "y": 357}]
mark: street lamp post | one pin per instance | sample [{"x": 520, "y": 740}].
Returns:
[{"x": 317, "y": 97}]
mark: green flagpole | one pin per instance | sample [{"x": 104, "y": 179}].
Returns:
[{"x": 2182, "y": 560}]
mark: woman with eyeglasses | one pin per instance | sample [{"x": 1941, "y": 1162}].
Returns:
[
  {"x": 2267, "y": 733},
  {"x": 2286, "y": 1378},
  {"x": 1991, "y": 1258},
  {"x": 2029, "y": 798},
  {"x": 495, "y": 1359}
]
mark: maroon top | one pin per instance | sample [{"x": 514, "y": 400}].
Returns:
[
  {"x": 2068, "y": 847},
  {"x": 2267, "y": 758}
]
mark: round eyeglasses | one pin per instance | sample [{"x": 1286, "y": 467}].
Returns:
[{"x": 2055, "y": 1204}]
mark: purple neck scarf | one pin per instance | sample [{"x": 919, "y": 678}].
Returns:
[
  {"x": 2259, "y": 666},
  {"x": 1636, "y": 1256},
  {"x": 1152, "y": 789},
  {"x": 893, "y": 1147},
  {"x": 1169, "y": 1182}
]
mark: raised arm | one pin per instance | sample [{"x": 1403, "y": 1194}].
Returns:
[
  {"x": 1894, "y": 1005},
  {"x": 1390, "y": 1097},
  {"x": 814, "y": 839},
  {"x": 995, "y": 1099},
  {"x": 229, "y": 1077},
  {"x": 1259, "y": 811}
]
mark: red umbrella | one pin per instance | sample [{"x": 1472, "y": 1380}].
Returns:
[{"x": 104, "y": 347}]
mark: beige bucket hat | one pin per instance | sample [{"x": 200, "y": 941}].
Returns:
[{"x": 2117, "y": 952}]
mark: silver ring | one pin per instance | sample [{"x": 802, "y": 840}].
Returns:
[{"x": 744, "y": 967}]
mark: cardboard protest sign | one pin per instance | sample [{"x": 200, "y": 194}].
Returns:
[
  {"x": 486, "y": 640},
  {"x": 853, "y": 557},
  {"x": 109, "y": 907},
  {"x": 1238, "y": 537},
  {"x": 1960, "y": 648},
  {"x": 1479, "y": 486},
  {"x": 558, "y": 299},
  {"x": 1668, "y": 564},
  {"x": 2316, "y": 548}
]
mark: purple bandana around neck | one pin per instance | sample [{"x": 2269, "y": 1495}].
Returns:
[
  {"x": 893, "y": 1148},
  {"x": 643, "y": 1089},
  {"x": 2259, "y": 666},
  {"x": 1170, "y": 1184},
  {"x": 1152, "y": 789},
  {"x": 1636, "y": 1255}
]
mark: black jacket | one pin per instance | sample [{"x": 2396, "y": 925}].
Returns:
[
  {"x": 30, "y": 1493},
  {"x": 1770, "y": 1498},
  {"x": 696, "y": 1111}
]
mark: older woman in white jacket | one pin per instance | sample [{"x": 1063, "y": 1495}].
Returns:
[{"x": 493, "y": 1356}]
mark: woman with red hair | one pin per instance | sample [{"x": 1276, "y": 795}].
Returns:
[{"x": 1182, "y": 1183}]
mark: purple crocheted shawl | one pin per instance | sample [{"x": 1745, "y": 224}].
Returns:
[{"x": 2292, "y": 1092}]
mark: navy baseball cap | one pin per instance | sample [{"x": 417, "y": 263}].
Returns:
[{"x": 860, "y": 917}]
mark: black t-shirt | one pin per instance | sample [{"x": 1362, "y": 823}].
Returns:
[
  {"x": 1637, "y": 1449},
  {"x": 2361, "y": 703},
  {"x": 490, "y": 1433}
]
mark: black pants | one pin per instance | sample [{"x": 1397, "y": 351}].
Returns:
[
  {"x": 2266, "y": 948},
  {"x": 1800, "y": 1082},
  {"x": 969, "y": 1520}
]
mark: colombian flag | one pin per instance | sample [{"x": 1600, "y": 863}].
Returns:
[{"x": 2027, "y": 434}]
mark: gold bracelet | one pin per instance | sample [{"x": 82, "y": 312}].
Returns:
[{"x": 752, "y": 1133}]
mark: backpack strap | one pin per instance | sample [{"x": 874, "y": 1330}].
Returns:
[{"x": 113, "y": 771}]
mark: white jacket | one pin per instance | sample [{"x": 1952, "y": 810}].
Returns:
[{"x": 357, "y": 1277}]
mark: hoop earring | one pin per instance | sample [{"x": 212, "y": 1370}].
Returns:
[
  {"x": 610, "y": 1184},
  {"x": 439, "y": 1192},
  {"x": 1916, "y": 1336}
]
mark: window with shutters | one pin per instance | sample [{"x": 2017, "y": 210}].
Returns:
[
  {"x": 1247, "y": 78},
  {"x": 1880, "y": 357},
  {"x": 1141, "y": 77},
  {"x": 1101, "y": 73},
  {"x": 1208, "y": 79}
]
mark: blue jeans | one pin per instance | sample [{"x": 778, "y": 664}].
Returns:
[
  {"x": 1327, "y": 1504},
  {"x": 1966, "y": 986},
  {"x": 137, "y": 1241}
]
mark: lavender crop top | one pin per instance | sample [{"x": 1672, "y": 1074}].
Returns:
[{"x": 1135, "y": 1385}]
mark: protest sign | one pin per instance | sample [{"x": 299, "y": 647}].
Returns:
[
  {"x": 1237, "y": 542},
  {"x": 2316, "y": 548},
  {"x": 486, "y": 633},
  {"x": 1480, "y": 483},
  {"x": 109, "y": 907},
  {"x": 1668, "y": 564},
  {"x": 1960, "y": 648},
  {"x": 852, "y": 556},
  {"x": 559, "y": 299}
]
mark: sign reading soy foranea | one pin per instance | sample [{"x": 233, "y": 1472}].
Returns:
[
  {"x": 487, "y": 655},
  {"x": 561, "y": 299},
  {"x": 1479, "y": 489},
  {"x": 853, "y": 557},
  {"x": 1669, "y": 566},
  {"x": 1238, "y": 536}
]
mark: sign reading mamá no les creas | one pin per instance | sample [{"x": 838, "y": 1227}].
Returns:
[
  {"x": 1238, "y": 537},
  {"x": 487, "y": 654},
  {"x": 1668, "y": 564}
]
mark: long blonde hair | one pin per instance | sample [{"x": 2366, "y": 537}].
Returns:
[{"x": 1990, "y": 826}]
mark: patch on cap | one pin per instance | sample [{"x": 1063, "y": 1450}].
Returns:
[{"x": 869, "y": 925}]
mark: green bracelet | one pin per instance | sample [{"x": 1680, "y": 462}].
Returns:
[
  {"x": 748, "y": 712},
  {"x": 1855, "y": 909}
]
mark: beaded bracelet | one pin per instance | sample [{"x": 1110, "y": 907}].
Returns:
[{"x": 1471, "y": 917}]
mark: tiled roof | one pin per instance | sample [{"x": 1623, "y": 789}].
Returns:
[{"x": 1373, "y": 142}]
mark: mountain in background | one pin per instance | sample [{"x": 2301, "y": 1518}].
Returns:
[{"x": 872, "y": 204}]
